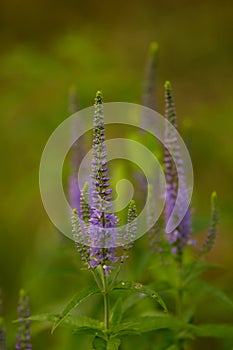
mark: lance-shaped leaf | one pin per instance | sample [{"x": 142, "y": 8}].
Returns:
[
  {"x": 149, "y": 323},
  {"x": 213, "y": 291},
  {"x": 78, "y": 324},
  {"x": 194, "y": 269},
  {"x": 139, "y": 288},
  {"x": 212, "y": 330},
  {"x": 73, "y": 303}
]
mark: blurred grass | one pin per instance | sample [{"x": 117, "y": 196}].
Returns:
[{"x": 47, "y": 47}]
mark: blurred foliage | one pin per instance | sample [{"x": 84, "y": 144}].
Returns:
[{"x": 49, "y": 45}]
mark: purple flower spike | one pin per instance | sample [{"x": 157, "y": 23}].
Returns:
[
  {"x": 95, "y": 227},
  {"x": 24, "y": 334},
  {"x": 213, "y": 229},
  {"x": 180, "y": 237},
  {"x": 131, "y": 229},
  {"x": 101, "y": 194}
]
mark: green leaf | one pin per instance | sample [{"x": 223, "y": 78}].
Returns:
[
  {"x": 147, "y": 324},
  {"x": 78, "y": 324},
  {"x": 195, "y": 269},
  {"x": 116, "y": 312},
  {"x": 212, "y": 330},
  {"x": 99, "y": 344},
  {"x": 44, "y": 318},
  {"x": 113, "y": 344},
  {"x": 140, "y": 289},
  {"x": 173, "y": 347},
  {"x": 126, "y": 328},
  {"x": 214, "y": 291},
  {"x": 129, "y": 302},
  {"x": 73, "y": 303},
  {"x": 83, "y": 324},
  {"x": 150, "y": 323}
]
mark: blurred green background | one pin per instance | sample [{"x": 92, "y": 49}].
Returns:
[{"x": 46, "y": 46}]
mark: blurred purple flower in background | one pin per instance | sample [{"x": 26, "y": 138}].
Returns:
[
  {"x": 180, "y": 237},
  {"x": 24, "y": 334},
  {"x": 213, "y": 229}
]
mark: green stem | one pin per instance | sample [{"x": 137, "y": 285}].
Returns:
[
  {"x": 179, "y": 298},
  {"x": 106, "y": 300},
  {"x": 96, "y": 279},
  {"x": 115, "y": 277}
]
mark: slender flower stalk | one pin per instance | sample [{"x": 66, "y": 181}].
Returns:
[
  {"x": 24, "y": 334},
  {"x": 180, "y": 237},
  {"x": 213, "y": 229},
  {"x": 150, "y": 79}
]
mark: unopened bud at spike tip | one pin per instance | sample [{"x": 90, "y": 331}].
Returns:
[
  {"x": 99, "y": 98},
  {"x": 167, "y": 85},
  {"x": 154, "y": 49}
]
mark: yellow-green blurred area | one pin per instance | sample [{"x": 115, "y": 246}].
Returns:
[{"x": 48, "y": 46}]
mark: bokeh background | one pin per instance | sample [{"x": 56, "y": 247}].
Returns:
[{"x": 47, "y": 46}]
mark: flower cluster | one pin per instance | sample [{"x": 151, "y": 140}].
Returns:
[
  {"x": 95, "y": 228},
  {"x": 24, "y": 334},
  {"x": 180, "y": 237}
]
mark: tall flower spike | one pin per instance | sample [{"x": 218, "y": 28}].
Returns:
[
  {"x": 24, "y": 334},
  {"x": 150, "y": 79},
  {"x": 85, "y": 210},
  {"x": 101, "y": 220},
  {"x": 213, "y": 229},
  {"x": 180, "y": 236},
  {"x": 95, "y": 228},
  {"x": 101, "y": 195},
  {"x": 78, "y": 230},
  {"x": 131, "y": 229}
]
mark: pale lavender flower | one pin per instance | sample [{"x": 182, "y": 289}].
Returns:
[
  {"x": 213, "y": 229},
  {"x": 180, "y": 237},
  {"x": 24, "y": 334}
]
